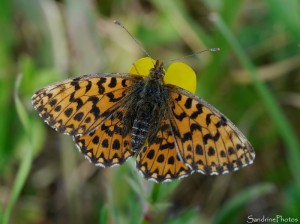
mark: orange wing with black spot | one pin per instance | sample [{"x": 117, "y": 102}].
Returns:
[
  {"x": 160, "y": 160},
  {"x": 208, "y": 142},
  {"x": 78, "y": 106},
  {"x": 108, "y": 145}
]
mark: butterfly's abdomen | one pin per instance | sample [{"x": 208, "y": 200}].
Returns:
[{"x": 140, "y": 130}]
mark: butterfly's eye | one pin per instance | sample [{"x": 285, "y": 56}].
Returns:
[
  {"x": 157, "y": 72},
  {"x": 147, "y": 66}
]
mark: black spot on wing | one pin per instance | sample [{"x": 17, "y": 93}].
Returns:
[
  {"x": 95, "y": 111},
  {"x": 112, "y": 83},
  {"x": 199, "y": 111},
  {"x": 100, "y": 83},
  {"x": 216, "y": 137},
  {"x": 57, "y": 108},
  {"x": 75, "y": 83},
  {"x": 171, "y": 160},
  {"x": 199, "y": 150},
  {"x": 150, "y": 154},
  {"x": 112, "y": 97},
  {"x": 68, "y": 112},
  {"x": 167, "y": 146},
  {"x": 88, "y": 120},
  {"x": 116, "y": 144},
  {"x": 105, "y": 143},
  {"x": 88, "y": 86},
  {"x": 124, "y": 83},
  {"x": 78, "y": 116},
  {"x": 231, "y": 151},
  {"x": 178, "y": 98},
  {"x": 188, "y": 103},
  {"x": 53, "y": 102},
  {"x": 95, "y": 140},
  {"x": 160, "y": 158},
  {"x": 223, "y": 154},
  {"x": 93, "y": 99},
  {"x": 186, "y": 137},
  {"x": 208, "y": 120},
  {"x": 180, "y": 117},
  {"x": 79, "y": 103},
  {"x": 195, "y": 127},
  {"x": 206, "y": 138},
  {"x": 211, "y": 151}
]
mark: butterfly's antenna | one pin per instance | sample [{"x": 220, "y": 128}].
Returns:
[
  {"x": 191, "y": 55},
  {"x": 135, "y": 40}
]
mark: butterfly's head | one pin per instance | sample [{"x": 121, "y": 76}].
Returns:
[{"x": 158, "y": 71}]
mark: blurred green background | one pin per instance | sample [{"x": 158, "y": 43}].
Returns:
[{"x": 254, "y": 80}]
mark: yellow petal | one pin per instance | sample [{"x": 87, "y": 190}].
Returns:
[
  {"x": 142, "y": 66},
  {"x": 182, "y": 75},
  {"x": 178, "y": 73}
]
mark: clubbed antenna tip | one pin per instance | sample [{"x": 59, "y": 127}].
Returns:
[
  {"x": 118, "y": 23},
  {"x": 214, "y": 49}
]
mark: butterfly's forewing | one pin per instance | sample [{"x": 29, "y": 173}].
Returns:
[
  {"x": 79, "y": 105},
  {"x": 208, "y": 142},
  {"x": 160, "y": 160},
  {"x": 108, "y": 145}
]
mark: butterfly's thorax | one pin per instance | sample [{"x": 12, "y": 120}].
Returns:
[{"x": 150, "y": 106}]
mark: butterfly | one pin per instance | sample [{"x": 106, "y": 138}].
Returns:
[{"x": 172, "y": 132}]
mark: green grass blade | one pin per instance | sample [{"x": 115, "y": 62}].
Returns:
[
  {"x": 6, "y": 66},
  {"x": 103, "y": 215},
  {"x": 155, "y": 192},
  {"x": 283, "y": 126},
  {"x": 229, "y": 211},
  {"x": 26, "y": 161}
]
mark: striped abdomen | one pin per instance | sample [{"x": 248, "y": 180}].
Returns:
[{"x": 139, "y": 132}]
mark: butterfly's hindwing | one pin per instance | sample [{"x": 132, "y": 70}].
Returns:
[
  {"x": 108, "y": 145},
  {"x": 159, "y": 160},
  {"x": 208, "y": 142},
  {"x": 79, "y": 105}
]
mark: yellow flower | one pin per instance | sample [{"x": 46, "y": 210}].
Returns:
[{"x": 178, "y": 73}]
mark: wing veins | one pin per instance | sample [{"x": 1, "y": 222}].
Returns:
[
  {"x": 194, "y": 119},
  {"x": 105, "y": 119},
  {"x": 53, "y": 86},
  {"x": 163, "y": 171},
  {"x": 176, "y": 144},
  {"x": 233, "y": 144},
  {"x": 154, "y": 161},
  {"x": 204, "y": 147},
  {"x": 119, "y": 102},
  {"x": 102, "y": 95},
  {"x": 178, "y": 150},
  {"x": 192, "y": 140},
  {"x": 225, "y": 148}
]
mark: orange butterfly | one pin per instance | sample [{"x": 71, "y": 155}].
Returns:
[{"x": 172, "y": 132}]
